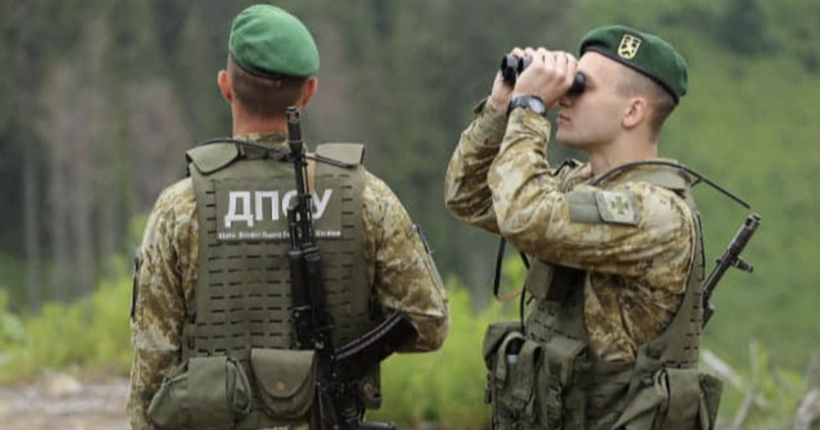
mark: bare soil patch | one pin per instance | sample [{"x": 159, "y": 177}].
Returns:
[{"x": 62, "y": 402}]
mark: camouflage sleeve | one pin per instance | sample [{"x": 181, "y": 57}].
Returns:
[
  {"x": 158, "y": 306},
  {"x": 403, "y": 272},
  {"x": 466, "y": 193},
  {"x": 538, "y": 218}
]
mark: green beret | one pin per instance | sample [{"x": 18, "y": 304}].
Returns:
[
  {"x": 268, "y": 41},
  {"x": 646, "y": 53}
]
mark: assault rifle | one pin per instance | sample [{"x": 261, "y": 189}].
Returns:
[
  {"x": 730, "y": 258},
  {"x": 337, "y": 404}
]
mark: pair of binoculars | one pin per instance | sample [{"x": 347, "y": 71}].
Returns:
[{"x": 512, "y": 66}]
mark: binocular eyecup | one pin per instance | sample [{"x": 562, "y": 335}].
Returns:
[{"x": 512, "y": 66}]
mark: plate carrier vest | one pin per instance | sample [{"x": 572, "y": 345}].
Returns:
[
  {"x": 243, "y": 303},
  {"x": 556, "y": 381}
]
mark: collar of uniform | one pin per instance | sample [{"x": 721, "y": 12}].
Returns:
[
  {"x": 266, "y": 138},
  {"x": 276, "y": 141}
]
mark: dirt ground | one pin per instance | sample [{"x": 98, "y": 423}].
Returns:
[{"x": 61, "y": 402}]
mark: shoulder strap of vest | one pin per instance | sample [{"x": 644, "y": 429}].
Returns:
[
  {"x": 212, "y": 157},
  {"x": 678, "y": 344},
  {"x": 348, "y": 153},
  {"x": 666, "y": 177}
]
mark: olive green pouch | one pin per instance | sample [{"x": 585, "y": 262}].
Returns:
[
  {"x": 203, "y": 393},
  {"x": 512, "y": 365},
  {"x": 648, "y": 406},
  {"x": 560, "y": 400},
  {"x": 285, "y": 381},
  {"x": 493, "y": 337},
  {"x": 676, "y": 399}
]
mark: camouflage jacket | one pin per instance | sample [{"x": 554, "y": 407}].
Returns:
[
  {"x": 399, "y": 267},
  {"x": 499, "y": 179}
]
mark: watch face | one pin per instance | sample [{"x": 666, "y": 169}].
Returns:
[
  {"x": 536, "y": 105},
  {"x": 533, "y": 103}
]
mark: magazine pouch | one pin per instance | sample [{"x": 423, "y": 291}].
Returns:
[{"x": 512, "y": 366}]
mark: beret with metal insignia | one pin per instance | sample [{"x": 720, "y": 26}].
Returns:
[{"x": 643, "y": 52}]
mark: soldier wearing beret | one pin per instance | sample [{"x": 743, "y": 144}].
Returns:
[
  {"x": 211, "y": 315},
  {"x": 611, "y": 339}
]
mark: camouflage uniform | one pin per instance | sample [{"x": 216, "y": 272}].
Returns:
[
  {"x": 499, "y": 179},
  {"x": 399, "y": 268}
]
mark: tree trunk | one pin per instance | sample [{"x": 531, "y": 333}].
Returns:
[{"x": 31, "y": 221}]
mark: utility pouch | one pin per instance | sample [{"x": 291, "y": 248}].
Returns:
[
  {"x": 561, "y": 401},
  {"x": 204, "y": 393},
  {"x": 512, "y": 366},
  {"x": 493, "y": 337},
  {"x": 673, "y": 399},
  {"x": 285, "y": 381}
]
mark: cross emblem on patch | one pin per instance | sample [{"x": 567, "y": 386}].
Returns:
[
  {"x": 616, "y": 207},
  {"x": 620, "y": 205}
]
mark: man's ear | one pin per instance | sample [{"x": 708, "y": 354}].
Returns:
[
  {"x": 635, "y": 113},
  {"x": 311, "y": 86},
  {"x": 224, "y": 83}
]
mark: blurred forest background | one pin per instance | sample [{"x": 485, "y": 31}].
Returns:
[{"x": 100, "y": 99}]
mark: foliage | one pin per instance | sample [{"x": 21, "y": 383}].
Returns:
[
  {"x": 762, "y": 395},
  {"x": 743, "y": 28},
  {"x": 447, "y": 386},
  {"x": 12, "y": 331},
  {"x": 90, "y": 334}
]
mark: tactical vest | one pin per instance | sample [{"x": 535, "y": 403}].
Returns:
[
  {"x": 238, "y": 366},
  {"x": 547, "y": 376}
]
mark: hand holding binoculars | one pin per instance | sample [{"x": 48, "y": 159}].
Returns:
[{"x": 512, "y": 66}]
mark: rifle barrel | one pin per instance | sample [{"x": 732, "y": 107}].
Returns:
[{"x": 730, "y": 258}]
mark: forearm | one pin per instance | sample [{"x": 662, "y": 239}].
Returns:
[
  {"x": 467, "y": 194},
  {"x": 401, "y": 268},
  {"x": 147, "y": 370},
  {"x": 409, "y": 282},
  {"x": 432, "y": 329},
  {"x": 526, "y": 197},
  {"x": 156, "y": 342}
]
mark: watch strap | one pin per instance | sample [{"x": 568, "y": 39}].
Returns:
[{"x": 527, "y": 102}]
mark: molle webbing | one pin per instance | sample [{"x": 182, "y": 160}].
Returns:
[
  {"x": 243, "y": 291},
  {"x": 679, "y": 345}
]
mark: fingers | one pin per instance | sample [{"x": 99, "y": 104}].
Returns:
[
  {"x": 559, "y": 64},
  {"x": 549, "y": 75}
]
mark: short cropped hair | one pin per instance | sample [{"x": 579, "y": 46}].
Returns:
[
  {"x": 633, "y": 83},
  {"x": 264, "y": 96}
]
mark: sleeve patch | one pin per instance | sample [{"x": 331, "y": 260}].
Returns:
[{"x": 617, "y": 207}]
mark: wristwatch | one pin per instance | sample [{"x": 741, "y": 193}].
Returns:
[{"x": 533, "y": 103}]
